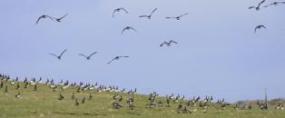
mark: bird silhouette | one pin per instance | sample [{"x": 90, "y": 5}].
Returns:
[
  {"x": 117, "y": 58},
  {"x": 177, "y": 17},
  {"x": 43, "y": 17},
  {"x": 58, "y": 56},
  {"x": 274, "y": 4},
  {"x": 150, "y": 15},
  {"x": 119, "y": 10},
  {"x": 259, "y": 27},
  {"x": 88, "y": 57},
  {"x": 168, "y": 43},
  {"x": 60, "y": 18},
  {"x": 128, "y": 28},
  {"x": 258, "y": 5}
]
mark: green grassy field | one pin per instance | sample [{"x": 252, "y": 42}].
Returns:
[{"x": 44, "y": 103}]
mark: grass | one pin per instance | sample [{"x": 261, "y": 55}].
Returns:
[{"x": 44, "y": 103}]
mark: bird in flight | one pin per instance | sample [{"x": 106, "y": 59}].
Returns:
[
  {"x": 258, "y": 6},
  {"x": 59, "y": 19},
  {"x": 128, "y": 28},
  {"x": 177, "y": 17},
  {"x": 119, "y": 10},
  {"x": 259, "y": 27},
  {"x": 117, "y": 58},
  {"x": 88, "y": 57},
  {"x": 150, "y": 15},
  {"x": 168, "y": 43},
  {"x": 274, "y": 4},
  {"x": 58, "y": 56},
  {"x": 43, "y": 17}
]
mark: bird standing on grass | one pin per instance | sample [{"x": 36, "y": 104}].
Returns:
[
  {"x": 6, "y": 89},
  {"x": 76, "y": 102},
  {"x": 83, "y": 100},
  {"x": 61, "y": 97},
  {"x": 73, "y": 96},
  {"x": 90, "y": 96},
  {"x": 18, "y": 95}
]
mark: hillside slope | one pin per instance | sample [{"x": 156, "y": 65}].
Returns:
[{"x": 41, "y": 101}]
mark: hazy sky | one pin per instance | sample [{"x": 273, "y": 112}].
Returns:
[{"x": 218, "y": 53}]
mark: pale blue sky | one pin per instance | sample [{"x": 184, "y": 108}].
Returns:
[{"x": 218, "y": 53}]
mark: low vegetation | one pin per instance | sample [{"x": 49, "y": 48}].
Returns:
[{"x": 37, "y": 99}]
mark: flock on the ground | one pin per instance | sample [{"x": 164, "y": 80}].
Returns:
[{"x": 123, "y": 98}]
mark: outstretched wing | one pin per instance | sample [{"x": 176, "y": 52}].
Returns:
[
  {"x": 123, "y": 30},
  {"x": 277, "y": 3},
  {"x": 172, "y": 41},
  {"x": 38, "y": 20},
  {"x": 142, "y": 16},
  {"x": 92, "y": 54},
  {"x": 162, "y": 44},
  {"x": 251, "y": 7},
  {"x": 63, "y": 52},
  {"x": 259, "y": 27},
  {"x": 128, "y": 28},
  {"x": 124, "y": 56},
  {"x": 262, "y": 26},
  {"x": 52, "y": 54},
  {"x": 183, "y": 14},
  {"x": 169, "y": 17},
  {"x": 131, "y": 28},
  {"x": 265, "y": 6},
  {"x": 114, "y": 11},
  {"x": 153, "y": 11},
  {"x": 43, "y": 16},
  {"x": 83, "y": 55},
  {"x": 63, "y": 16},
  {"x": 255, "y": 29},
  {"x": 259, "y": 4},
  {"x": 125, "y": 10},
  {"x": 111, "y": 61}
]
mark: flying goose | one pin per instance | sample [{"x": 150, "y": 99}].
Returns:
[
  {"x": 117, "y": 58},
  {"x": 177, "y": 17},
  {"x": 168, "y": 43},
  {"x": 88, "y": 57},
  {"x": 43, "y": 17},
  {"x": 128, "y": 28},
  {"x": 119, "y": 10},
  {"x": 59, "y": 19},
  {"x": 274, "y": 4},
  {"x": 58, "y": 56},
  {"x": 150, "y": 15},
  {"x": 259, "y": 27},
  {"x": 258, "y": 6}
]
